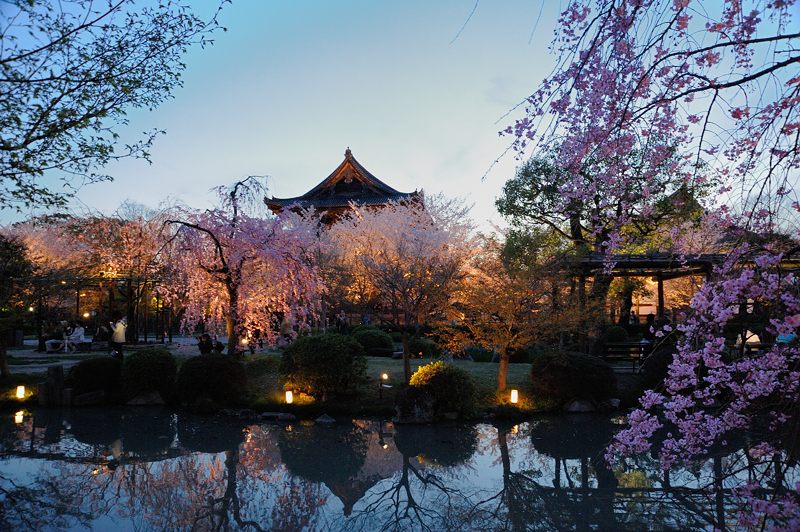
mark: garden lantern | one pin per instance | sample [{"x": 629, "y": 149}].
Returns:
[
  {"x": 514, "y": 396},
  {"x": 86, "y": 314},
  {"x": 18, "y": 417},
  {"x": 382, "y": 384},
  {"x": 20, "y": 392},
  {"x": 289, "y": 397}
]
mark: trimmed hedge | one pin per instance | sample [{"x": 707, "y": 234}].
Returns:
[
  {"x": 478, "y": 354},
  {"x": 565, "y": 376},
  {"x": 427, "y": 347},
  {"x": 452, "y": 388},
  {"x": 96, "y": 374},
  {"x": 323, "y": 364},
  {"x": 215, "y": 377},
  {"x": 373, "y": 341},
  {"x": 149, "y": 370},
  {"x": 615, "y": 333}
]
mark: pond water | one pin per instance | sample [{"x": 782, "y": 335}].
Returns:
[{"x": 154, "y": 469}]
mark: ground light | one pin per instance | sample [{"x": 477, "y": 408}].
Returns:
[
  {"x": 20, "y": 392},
  {"x": 382, "y": 384},
  {"x": 18, "y": 417},
  {"x": 514, "y": 396},
  {"x": 289, "y": 397}
]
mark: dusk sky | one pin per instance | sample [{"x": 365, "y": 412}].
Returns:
[{"x": 290, "y": 85}]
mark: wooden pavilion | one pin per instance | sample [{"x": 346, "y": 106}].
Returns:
[
  {"x": 658, "y": 266},
  {"x": 348, "y": 183}
]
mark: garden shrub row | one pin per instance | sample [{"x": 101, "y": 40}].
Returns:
[{"x": 154, "y": 369}]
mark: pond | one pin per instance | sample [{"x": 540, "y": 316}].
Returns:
[{"x": 155, "y": 469}]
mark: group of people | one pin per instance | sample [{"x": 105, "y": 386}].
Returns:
[
  {"x": 72, "y": 337},
  {"x": 207, "y": 345},
  {"x": 74, "y": 334}
]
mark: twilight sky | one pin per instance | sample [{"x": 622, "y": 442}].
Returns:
[{"x": 292, "y": 84}]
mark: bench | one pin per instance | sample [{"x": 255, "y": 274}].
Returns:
[{"x": 632, "y": 352}]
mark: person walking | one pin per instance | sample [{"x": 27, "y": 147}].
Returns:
[{"x": 118, "y": 329}]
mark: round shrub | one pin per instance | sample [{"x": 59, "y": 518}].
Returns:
[
  {"x": 149, "y": 370},
  {"x": 451, "y": 388},
  {"x": 96, "y": 374},
  {"x": 564, "y": 376},
  {"x": 323, "y": 364},
  {"x": 262, "y": 365},
  {"x": 396, "y": 336},
  {"x": 215, "y": 377},
  {"x": 615, "y": 333},
  {"x": 478, "y": 354},
  {"x": 419, "y": 345},
  {"x": 373, "y": 340}
]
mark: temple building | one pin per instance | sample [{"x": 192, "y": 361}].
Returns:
[{"x": 348, "y": 183}]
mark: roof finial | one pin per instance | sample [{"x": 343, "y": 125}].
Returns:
[{"x": 347, "y": 152}]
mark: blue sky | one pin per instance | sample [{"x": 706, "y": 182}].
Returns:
[{"x": 290, "y": 85}]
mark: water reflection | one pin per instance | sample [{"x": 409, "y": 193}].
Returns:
[{"x": 150, "y": 468}]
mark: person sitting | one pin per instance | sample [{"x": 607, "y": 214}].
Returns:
[
  {"x": 204, "y": 344},
  {"x": 75, "y": 338},
  {"x": 55, "y": 344}
]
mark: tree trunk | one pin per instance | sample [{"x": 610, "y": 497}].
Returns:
[
  {"x": 406, "y": 356},
  {"x": 627, "y": 303},
  {"x": 502, "y": 370},
  {"x": 232, "y": 319},
  {"x": 4, "y": 371}
]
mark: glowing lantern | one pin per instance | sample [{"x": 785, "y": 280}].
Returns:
[
  {"x": 289, "y": 397},
  {"x": 20, "y": 392},
  {"x": 385, "y": 376},
  {"x": 18, "y": 417},
  {"x": 86, "y": 314},
  {"x": 514, "y": 396}
]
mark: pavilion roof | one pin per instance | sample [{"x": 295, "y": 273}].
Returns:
[
  {"x": 349, "y": 182},
  {"x": 663, "y": 265}
]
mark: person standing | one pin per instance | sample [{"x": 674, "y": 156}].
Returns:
[{"x": 118, "y": 329}]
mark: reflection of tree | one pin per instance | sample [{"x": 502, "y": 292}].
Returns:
[
  {"x": 43, "y": 502},
  {"x": 423, "y": 495},
  {"x": 323, "y": 454}
]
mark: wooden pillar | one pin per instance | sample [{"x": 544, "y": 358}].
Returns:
[{"x": 660, "y": 297}]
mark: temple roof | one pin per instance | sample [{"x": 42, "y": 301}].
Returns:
[{"x": 349, "y": 182}]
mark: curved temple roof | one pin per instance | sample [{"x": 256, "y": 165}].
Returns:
[{"x": 349, "y": 182}]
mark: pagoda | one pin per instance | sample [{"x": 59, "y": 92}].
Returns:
[{"x": 348, "y": 183}]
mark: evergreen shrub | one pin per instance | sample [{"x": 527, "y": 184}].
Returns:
[
  {"x": 615, "y": 333},
  {"x": 560, "y": 377},
  {"x": 478, "y": 353},
  {"x": 452, "y": 388},
  {"x": 215, "y": 377},
  {"x": 374, "y": 339},
  {"x": 323, "y": 364},
  {"x": 96, "y": 374},
  {"x": 424, "y": 346},
  {"x": 149, "y": 370}
]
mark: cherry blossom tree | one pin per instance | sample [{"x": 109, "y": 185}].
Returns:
[
  {"x": 411, "y": 255},
  {"x": 718, "y": 85},
  {"x": 244, "y": 270}
]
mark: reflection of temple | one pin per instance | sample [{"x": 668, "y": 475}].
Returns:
[{"x": 348, "y": 183}]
